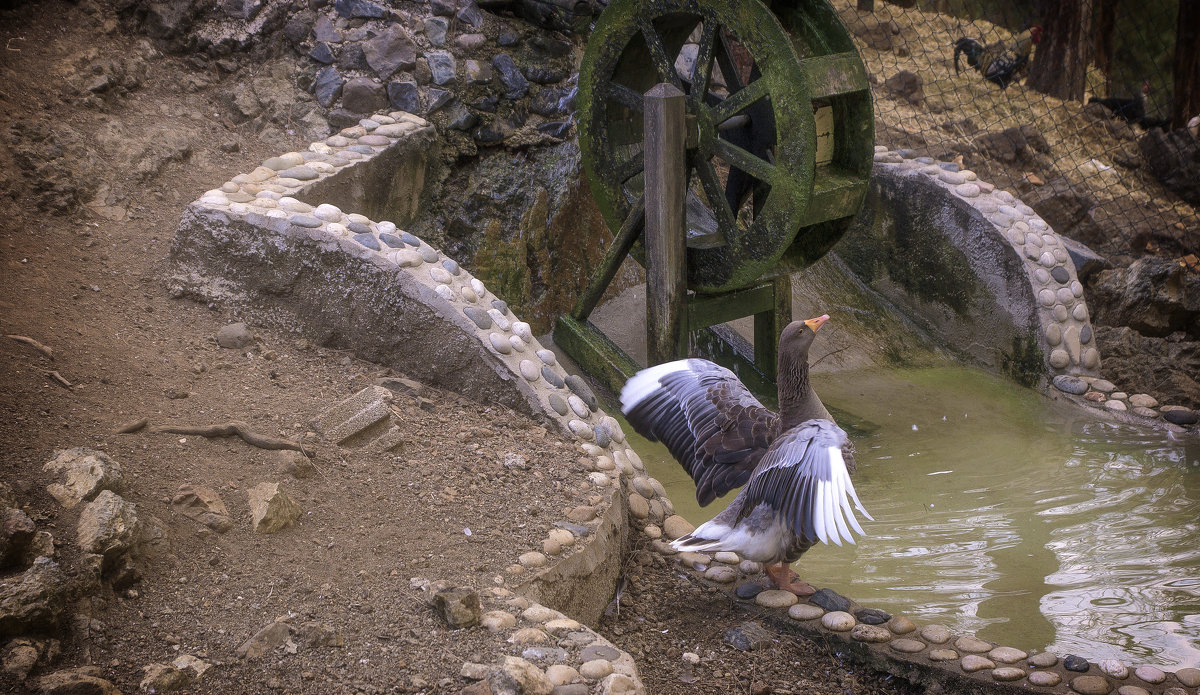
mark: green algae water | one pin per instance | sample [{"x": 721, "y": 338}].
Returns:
[{"x": 997, "y": 514}]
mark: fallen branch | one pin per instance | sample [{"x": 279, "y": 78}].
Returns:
[
  {"x": 60, "y": 379},
  {"x": 241, "y": 429},
  {"x": 131, "y": 427},
  {"x": 44, "y": 349}
]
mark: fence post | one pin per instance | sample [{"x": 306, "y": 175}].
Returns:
[{"x": 665, "y": 175}]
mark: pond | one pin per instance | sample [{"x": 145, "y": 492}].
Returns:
[{"x": 999, "y": 514}]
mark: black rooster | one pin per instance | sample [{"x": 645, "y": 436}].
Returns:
[{"x": 1000, "y": 62}]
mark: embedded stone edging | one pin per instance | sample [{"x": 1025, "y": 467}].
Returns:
[
  {"x": 1062, "y": 310},
  {"x": 259, "y": 212},
  {"x": 929, "y": 653},
  {"x": 1073, "y": 358}
]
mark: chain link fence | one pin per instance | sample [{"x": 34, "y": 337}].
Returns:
[{"x": 951, "y": 81}]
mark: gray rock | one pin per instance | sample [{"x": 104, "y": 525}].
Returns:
[
  {"x": 109, "y": 527},
  {"x": 353, "y": 57},
  {"x": 435, "y": 30},
  {"x": 442, "y": 66},
  {"x": 443, "y": 8},
  {"x": 1153, "y": 296},
  {"x": 364, "y": 95},
  {"x": 551, "y": 102},
  {"x": 748, "y": 637},
  {"x": 360, "y": 8},
  {"x": 439, "y": 98},
  {"x": 580, "y": 388},
  {"x": 463, "y": 119},
  {"x": 241, "y": 9},
  {"x": 470, "y": 15},
  {"x": 269, "y": 637},
  {"x": 1070, "y": 384},
  {"x": 81, "y": 474},
  {"x": 458, "y": 607},
  {"x": 1087, "y": 262},
  {"x": 477, "y": 72},
  {"x": 327, "y": 86},
  {"x": 1180, "y": 417},
  {"x": 163, "y": 678},
  {"x": 323, "y": 30},
  {"x": 235, "y": 336},
  {"x": 1019, "y": 143},
  {"x": 550, "y": 47},
  {"x": 34, "y": 600},
  {"x": 515, "y": 84},
  {"x": 1174, "y": 159},
  {"x": 321, "y": 53},
  {"x": 392, "y": 50},
  {"x": 830, "y": 600}
]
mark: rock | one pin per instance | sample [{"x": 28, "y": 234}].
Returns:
[
  {"x": 204, "y": 505},
  {"x": 1090, "y": 685},
  {"x": 1167, "y": 367},
  {"x": 1153, "y": 296},
  {"x": 405, "y": 96},
  {"x": 364, "y": 95},
  {"x": 872, "y": 616},
  {"x": 1070, "y": 384},
  {"x": 17, "y": 531},
  {"x": 1046, "y": 679},
  {"x": 775, "y": 598},
  {"x": 19, "y": 658},
  {"x": 235, "y": 336},
  {"x": 161, "y": 678},
  {"x": 435, "y": 30},
  {"x": 188, "y": 663},
  {"x": 970, "y": 644},
  {"x": 109, "y": 526},
  {"x": 360, "y": 8},
  {"x": 458, "y": 607},
  {"x": 936, "y": 634},
  {"x": 515, "y": 84},
  {"x": 391, "y": 50},
  {"x": 477, "y": 72},
  {"x": 442, "y": 66},
  {"x": 906, "y": 85},
  {"x": 516, "y": 675},
  {"x": 870, "y": 633},
  {"x": 1018, "y": 143},
  {"x": 273, "y": 635},
  {"x": 85, "y": 680},
  {"x": 327, "y": 86},
  {"x": 82, "y": 474},
  {"x": 321, "y": 53},
  {"x": 34, "y": 600},
  {"x": 271, "y": 509},
  {"x": 470, "y": 15},
  {"x": 1076, "y": 663},
  {"x": 838, "y": 621},
  {"x": 1180, "y": 417},
  {"x": 1087, "y": 262},
  {"x": 748, "y": 636},
  {"x": 748, "y": 590},
  {"x": 676, "y": 526},
  {"x": 805, "y": 611},
  {"x": 973, "y": 662},
  {"x": 830, "y": 600}
]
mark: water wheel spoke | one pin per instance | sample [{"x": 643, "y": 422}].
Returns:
[
  {"x": 740, "y": 100},
  {"x": 755, "y": 166},
  {"x": 733, "y": 78},
  {"x": 707, "y": 174},
  {"x": 658, "y": 53},
  {"x": 625, "y": 96},
  {"x": 702, "y": 68},
  {"x": 630, "y": 167}
]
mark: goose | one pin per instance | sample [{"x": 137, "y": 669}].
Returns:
[{"x": 795, "y": 465}]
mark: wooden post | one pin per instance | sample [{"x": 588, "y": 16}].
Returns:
[
  {"x": 769, "y": 325},
  {"x": 666, "y": 180}
]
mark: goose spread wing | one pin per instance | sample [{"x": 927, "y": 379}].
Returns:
[
  {"x": 706, "y": 417},
  {"x": 804, "y": 478}
]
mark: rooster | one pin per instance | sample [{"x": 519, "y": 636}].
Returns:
[
  {"x": 1000, "y": 62},
  {"x": 1131, "y": 110}
]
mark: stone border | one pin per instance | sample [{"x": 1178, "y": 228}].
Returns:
[
  {"x": 1066, "y": 331},
  {"x": 265, "y": 201}
]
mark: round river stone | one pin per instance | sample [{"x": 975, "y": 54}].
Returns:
[
  {"x": 838, "y": 621},
  {"x": 776, "y": 598},
  {"x": 1046, "y": 679},
  {"x": 1091, "y": 685},
  {"x": 972, "y": 645},
  {"x": 1075, "y": 663},
  {"x": 1006, "y": 655},
  {"x": 1008, "y": 673},
  {"x": 907, "y": 646},
  {"x": 1150, "y": 674},
  {"x": 943, "y": 655},
  {"x": 935, "y": 634},
  {"x": 973, "y": 662},
  {"x": 1043, "y": 660},
  {"x": 870, "y": 633},
  {"x": 805, "y": 611}
]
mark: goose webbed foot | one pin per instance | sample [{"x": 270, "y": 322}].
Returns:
[{"x": 784, "y": 578}]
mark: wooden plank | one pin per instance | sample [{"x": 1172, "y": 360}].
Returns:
[
  {"x": 836, "y": 194},
  {"x": 666, "y": 185},
  {"x": 834, "y": 74},
  {"x": 709, "y": 310},
  {"x": 769, "y": 325},
  {"x": 595, "y": 352}
]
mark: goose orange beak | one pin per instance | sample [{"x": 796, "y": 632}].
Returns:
[{"x": 815, "y": 324}]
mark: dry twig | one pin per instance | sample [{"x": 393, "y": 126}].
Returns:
[
  {"x": 44, "y": 349},
  {"x": 62, "y": 381},
  {"x": 131, "y": 427},
  {"x": 241, "y": 429}
]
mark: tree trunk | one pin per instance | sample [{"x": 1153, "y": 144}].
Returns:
[
  {"x": 1187, "y": 65},
  {"x": 1059, "y": 66},
  {"x": 1102, "y": 40}
]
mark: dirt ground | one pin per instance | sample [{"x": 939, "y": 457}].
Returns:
[{"x": 88, "y": 284}]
